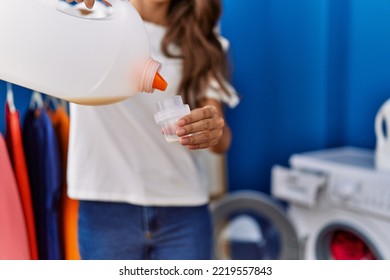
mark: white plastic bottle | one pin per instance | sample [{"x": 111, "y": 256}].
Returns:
[
  {"x": 89, "y": 57},
  {"x": 382, "y": 132}
]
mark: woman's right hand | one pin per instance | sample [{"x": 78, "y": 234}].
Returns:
[{"x": 88, "y": 3}]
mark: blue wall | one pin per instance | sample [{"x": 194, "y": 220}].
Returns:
[
  {"x": 312, "y": 74},
  {"x": 369, "y": 68}
]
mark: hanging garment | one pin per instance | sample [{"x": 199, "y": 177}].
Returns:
[
  {"x": 16, "y": 152},
  {"x": 69, "y": 207},
  {"x": 14, "y": 244},
  {"x": 44, "y": 169}
]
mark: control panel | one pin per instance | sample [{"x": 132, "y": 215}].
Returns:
[{"x": 367, "y": 194}]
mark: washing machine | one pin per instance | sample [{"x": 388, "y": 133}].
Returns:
[
  {"x": 328, "y": 204},
  {"x": 250, "y": 225},
  {"x": 339, "y": 203}
]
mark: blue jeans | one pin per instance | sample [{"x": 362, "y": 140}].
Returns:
[{"x": 122, "y": 231}]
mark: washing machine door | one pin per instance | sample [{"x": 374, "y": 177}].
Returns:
[{"x": 251, "y": 225}]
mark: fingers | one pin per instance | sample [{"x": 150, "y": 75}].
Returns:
[
  {"x": 202, "y": 119},
  {"x": 198, "y": 114},
  {"x": 107, "y": 3},
  {"x": 202, "y": 140},
  {"x": 88, "y": 3},
  {"x": 202, "y": 128}
]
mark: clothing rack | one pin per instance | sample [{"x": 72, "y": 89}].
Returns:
[{"x": 37, "y": 148}]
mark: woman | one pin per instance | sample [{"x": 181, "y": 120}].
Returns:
[{"x": 140, "y": 197}]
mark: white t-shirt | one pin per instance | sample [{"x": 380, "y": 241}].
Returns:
[{"x": 118, "y": 153}]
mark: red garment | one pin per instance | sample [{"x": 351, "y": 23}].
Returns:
[
  {"x": 13, "y": 233},
  {"x": 15, "y": 148},
  {"x": 69, "y": 209},
  {"x": 347, "y": 246}
]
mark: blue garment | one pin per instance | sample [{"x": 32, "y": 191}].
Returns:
[
  {"x": 114, "y": 231},
  {"x": 44, "y": 170}
]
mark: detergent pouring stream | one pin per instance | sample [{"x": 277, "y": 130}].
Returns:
[{"x": 86, "y": 56}]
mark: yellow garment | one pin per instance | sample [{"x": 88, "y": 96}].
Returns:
[{"x": 69, "y": 211}]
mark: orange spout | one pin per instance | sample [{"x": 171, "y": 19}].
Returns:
[{"x": 159, "y": 82}]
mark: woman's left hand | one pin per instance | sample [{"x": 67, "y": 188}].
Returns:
[{"x": 202, "y": 128}]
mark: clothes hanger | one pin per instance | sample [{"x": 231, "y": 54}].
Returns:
[
  {"x": 10, "y": 98},
  {"x": 51, "y": 103},
  {"x": 54, "y": 102},
  {"x": 36, "y": 101},
  {"x": 65, "y": 106}
]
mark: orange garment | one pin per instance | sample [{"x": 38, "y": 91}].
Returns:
[
  {"x": 16, "y": 151},
  {"x": 69, "y": 211},
  {"x": 13, "y": 233}
]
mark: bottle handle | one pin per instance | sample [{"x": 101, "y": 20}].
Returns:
[{"x": 379, "y": 119}]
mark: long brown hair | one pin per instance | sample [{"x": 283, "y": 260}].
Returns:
[{"x": 191, "y": 27}]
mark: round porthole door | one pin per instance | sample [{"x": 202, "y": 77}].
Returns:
[
  {"x": 338, "y": 241},
  {"x": 249, "y": 225}
]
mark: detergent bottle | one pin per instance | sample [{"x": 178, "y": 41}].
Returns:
[
  {"x": 86, "y": 56},
  {"x": 382, "y": 132}
]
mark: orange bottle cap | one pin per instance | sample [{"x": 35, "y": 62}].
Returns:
[{"x": 159, "y": 82}]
